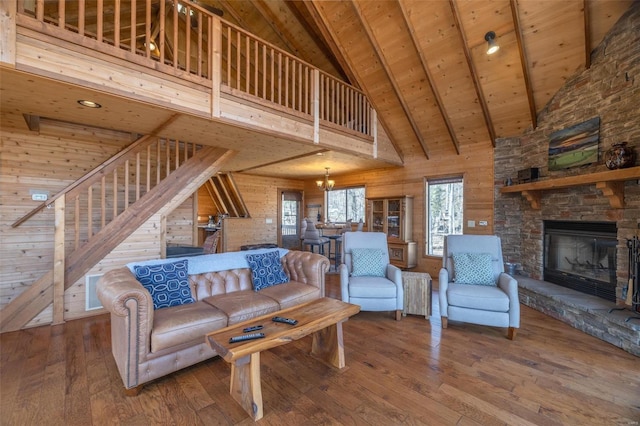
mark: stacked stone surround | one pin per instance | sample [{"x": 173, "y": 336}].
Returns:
[{"x": 609, "y": 89}]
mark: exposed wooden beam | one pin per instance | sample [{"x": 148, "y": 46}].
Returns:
[
  {"x": 425, "y": 67},
  {"x": 523, "y": 61},
  {"x": 341, "y": 54},
  {"x": 390, "y": 77},
  {"x": 587, "y": 35},
  {"x": 474, "y": 73}
]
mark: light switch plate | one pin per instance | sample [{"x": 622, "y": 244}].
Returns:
[
  {"x": 39, "y": 197},
  {"x": 471, "y": 223},
  {"x": 483, "y": 223}
]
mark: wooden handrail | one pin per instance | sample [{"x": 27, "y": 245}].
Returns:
[{"x": 97, "y": 172}]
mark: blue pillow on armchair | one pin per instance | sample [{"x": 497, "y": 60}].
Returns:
[
  {"x": 473, "y": 268},
  {"x": 168, "y": 283}
]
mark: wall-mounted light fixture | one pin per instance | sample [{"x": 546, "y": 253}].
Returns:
[
  {"x": 89, "y": 104},
  {"x": 492, "y": 46},
  {"x": 326, "y": 184}
]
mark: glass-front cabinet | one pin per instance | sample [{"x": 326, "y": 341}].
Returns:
[{"x": 393, "y": 216}]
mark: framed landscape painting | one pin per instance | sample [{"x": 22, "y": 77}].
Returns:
[{"x": 574, "y": 146}]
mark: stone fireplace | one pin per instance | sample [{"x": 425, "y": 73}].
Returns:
[
  {"x": 581, "y": 256},
  {"x": 610, "y": 90}
]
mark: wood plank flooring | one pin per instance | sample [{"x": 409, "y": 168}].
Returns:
[{"x": 398, "y": 372}]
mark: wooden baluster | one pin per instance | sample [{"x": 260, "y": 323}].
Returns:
[
  {"x": 132, "y": 23},
  {"x": 176, "y": 20},
  {"x": 61, "y": 14},
  {"x": 116, "y": 25},
  {"x": 279, "y": 78},
  {"x": 256, "y": 68},
  {"x": 161, "y": 45},
  {"x": 137, "y": 176},
  {"x": 81, "y": 16},
  {"x": 100, "y": 20},
  {"x": 114, "y": 192},
  {"x": 148, "y": 40},
  {"x": 89, "y": 212},
  {"x": 126, "y": 185},
  {"x": 40, "y": 10},
  {"x": 264, "y": 72},
  {"x": 177, "y": 157},
  {"x": 76, "y": 225},
  {"x": 273, "y": 64},
  {"x": 148, "y": 187},
  {"x": 158, "y": 163},
  {"x": 103, "y": 197},
  {"x": 238, "y": 60},
  {"x": 199, "y": 50},
  {"x": 187, "y": 48}
]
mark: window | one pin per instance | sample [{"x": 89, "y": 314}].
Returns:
[
  {"x": 444, "y": 211},
  {"x": 344, "y": 204}
]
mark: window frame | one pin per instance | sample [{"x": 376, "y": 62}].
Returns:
[
  {"x": 435, "y": 180},
  {"x": 346, "y": 188}
]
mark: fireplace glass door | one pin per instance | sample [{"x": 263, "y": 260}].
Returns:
[{"x": 581, "y": 259}]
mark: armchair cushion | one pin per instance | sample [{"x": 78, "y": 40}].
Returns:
[
  {"x": 473, "y": 268},
  {"x": 266, "y": 270},
  {"x": 372, "y": 287},
  {"x": 168, "y": 283},
  {"x": 367, "y": 262},
  {"x": 478, "y": 297}
]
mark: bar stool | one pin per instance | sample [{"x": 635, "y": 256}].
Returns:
[{"x": 312, "y": 238}]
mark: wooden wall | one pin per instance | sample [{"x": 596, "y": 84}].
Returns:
[
  {"x": 475, "y": 163},
  {"x": 260, "y": 194}
]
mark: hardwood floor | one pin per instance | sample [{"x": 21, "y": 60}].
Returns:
[{"x": 398, "y": 372}]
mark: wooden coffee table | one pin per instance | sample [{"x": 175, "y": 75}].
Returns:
[{"x": 322, "y": 317}]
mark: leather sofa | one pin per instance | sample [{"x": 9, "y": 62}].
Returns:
[{"x": 148, "y": 344}]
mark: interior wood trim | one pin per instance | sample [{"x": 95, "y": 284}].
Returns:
[
  {"x": 587, "y": 35},
  {"x": 523, "y": 62},
  {"x": 390, "y": 78},
  {"x": 425, "y": 68},
  {"x": 474, "y": 74}
]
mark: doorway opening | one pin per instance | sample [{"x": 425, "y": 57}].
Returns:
[{"x": 289, "y": 218}]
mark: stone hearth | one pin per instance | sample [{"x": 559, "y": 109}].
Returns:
[{"x": 584, "y": 312}]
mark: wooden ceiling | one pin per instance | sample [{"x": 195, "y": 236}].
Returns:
[{"x": 422, "y": 64}]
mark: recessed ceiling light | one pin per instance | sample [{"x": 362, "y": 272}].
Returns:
[{"x": 89, "y": 104}]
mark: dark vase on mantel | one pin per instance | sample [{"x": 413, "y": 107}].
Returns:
[{"x": 619, "y": 156}]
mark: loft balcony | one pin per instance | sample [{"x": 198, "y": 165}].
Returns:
[{"x": 180, "y": 57}]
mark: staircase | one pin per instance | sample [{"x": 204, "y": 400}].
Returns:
[{"x": 100, "y": 210}]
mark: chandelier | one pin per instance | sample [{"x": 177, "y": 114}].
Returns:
[{"x": 326, "y": 184}]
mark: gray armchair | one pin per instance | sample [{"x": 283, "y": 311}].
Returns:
[
  {"x": 492, "y": 302},
  {"x": 366, "y": 276}
]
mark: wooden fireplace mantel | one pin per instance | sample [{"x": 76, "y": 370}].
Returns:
[{"x": 610, "y": 182}]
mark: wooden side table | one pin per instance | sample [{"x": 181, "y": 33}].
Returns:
[{"x": 417, "y": 293}]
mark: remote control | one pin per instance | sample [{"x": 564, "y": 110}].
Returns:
[
  {"x": 289, "y": 321},
  {"x": 253, "y": 328},
  {"x": 246, "y": 337}
]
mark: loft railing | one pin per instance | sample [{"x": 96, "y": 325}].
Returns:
[{"x": 179, "y": 37}]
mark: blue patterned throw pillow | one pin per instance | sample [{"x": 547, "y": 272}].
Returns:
[
  {"x": 473, "y": 268},
  {"x": 168, "y": 283},
  {"x": 367, "y": 262},
  {"x": 266, "y": 270}
]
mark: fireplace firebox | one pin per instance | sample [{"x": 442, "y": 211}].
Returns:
[{"x": 581, "y": 256}]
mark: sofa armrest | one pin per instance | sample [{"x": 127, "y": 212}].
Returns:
[
  {"x": 131, "y": 309},
  {"x": 509, "y": 285},
  {"x": 443, "y": 285},
  {"x": 306, "y": 267}
]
